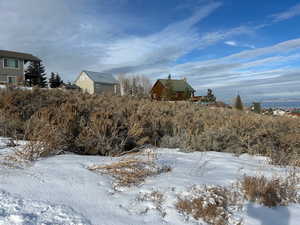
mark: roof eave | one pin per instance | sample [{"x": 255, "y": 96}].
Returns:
[
  {"x": 103, "y": 82},
  {"x": 19, "y": 55}
]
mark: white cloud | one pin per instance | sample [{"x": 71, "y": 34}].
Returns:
[
  {"x": 249, "y": 46},
  {"x": 57, "y": 31},
  {"x": 290, "y": 13},
  {"x": 235, "y": 44},
  {"x": 244, "y": 59},
  {"x": 70, "y": 36},
  {"x": 231, "y": 43},
  {"x": 73, "y": 35},
  {"x": 254, "y": 71},
  {"x": 282, "y": 47},
  {"x": 133, "y": 53},
  {"x": 155, "y": 53}
]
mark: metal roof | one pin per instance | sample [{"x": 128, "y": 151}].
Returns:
[
  {"x": 18, "y": 55},
  {"x": 177, "y": 85},
  {"x": 103, "y": 78}
]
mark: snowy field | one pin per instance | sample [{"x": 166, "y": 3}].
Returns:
[{"x": 61, "y": 190}]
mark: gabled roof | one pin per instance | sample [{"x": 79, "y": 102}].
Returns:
[
  {"x": 103, "y": 78},
  {"x": 177, "y": 85},
  {"x": 18, "y": 55}
]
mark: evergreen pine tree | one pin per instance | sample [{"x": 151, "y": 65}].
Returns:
[
  {"x": 43, "y": 78},
  {"x": 256, "y": 107},
  {"x": 55, "y": 80},
  {"x": 52, "y": 80},
  {"x": 35, "y": 75},
  {"x": 238, "y": 103},
  {"x": 59, "y": 81}
]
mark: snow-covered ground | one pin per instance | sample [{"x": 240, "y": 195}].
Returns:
[
  {"x": 22, "y": 88},
  {"x": 61, "y": 190}
]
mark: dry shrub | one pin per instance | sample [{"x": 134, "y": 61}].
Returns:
[
  {"x": 157, "y": 198},
  {"x": 273, "y": 192},
  {"x": 110, "y": 125},
  {"x": 17, "y": 106},
  {"x": 222, "y": 206},
  {"x": 214, "y": 205},
  {"x": 131, "y": 170},
  {"x": 33, "y": 151}
]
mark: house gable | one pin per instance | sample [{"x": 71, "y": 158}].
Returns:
[
  {"x": 157, "y": 89},
  {"x": 85, "y": 83}
]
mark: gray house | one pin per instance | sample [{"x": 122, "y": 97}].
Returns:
[
  {"x": 12, "y": 66},
  {"x": 97, "y": 83}
]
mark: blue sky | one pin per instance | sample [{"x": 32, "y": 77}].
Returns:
[{"x": 231, "y": 46}]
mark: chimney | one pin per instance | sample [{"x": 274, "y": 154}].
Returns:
[{"x": 184, "y": 78}]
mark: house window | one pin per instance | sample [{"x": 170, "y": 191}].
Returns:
[
  {"x": 11, "y": 80},
  {"x": 11, "y": 63}
]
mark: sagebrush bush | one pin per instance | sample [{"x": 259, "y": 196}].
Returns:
[
  {"x": 271, "y": 192},
  {"x": 110, "y": 125},
  {"x": 215, "y": 205}
]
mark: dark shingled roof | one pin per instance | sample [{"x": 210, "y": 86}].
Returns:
[
  {"x": 177, "y": 85},
  {"x": 18, "y": 55}
]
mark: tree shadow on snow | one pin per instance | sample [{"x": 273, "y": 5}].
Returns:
[{"x": 269, "y": 216}]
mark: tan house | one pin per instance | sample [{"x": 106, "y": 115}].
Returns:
[
  {"x": 96, "y": 83},
  {"x": 12, "y": 66}
]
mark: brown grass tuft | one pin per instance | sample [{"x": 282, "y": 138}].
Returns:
[
  {"x": 131, "y": 170},
  {"x": 211, "y": 204},
  {"x": 273, "y": 192}
]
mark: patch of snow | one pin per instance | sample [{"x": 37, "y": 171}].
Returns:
[
  {"x": 258, "y": 215},
  {"x": 62, "y": 189},
  {"x": 17, "y": 211},
  {"x": 278, "y": 112},
  {"x": 17, "y": 87}
]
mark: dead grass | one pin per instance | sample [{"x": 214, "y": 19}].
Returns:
[
  {"x": 157, "y": 198},
  {"x": 271, "y": 192},
  {"x": 131, "y": 171},
  {"x": 218, "y": 205},
  {"x": 211, "y": 204}
]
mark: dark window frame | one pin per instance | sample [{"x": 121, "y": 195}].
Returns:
[{"x": 6, "y": 64}]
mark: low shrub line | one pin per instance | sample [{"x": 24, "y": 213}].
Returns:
[{"x": 110, "y": 125}]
